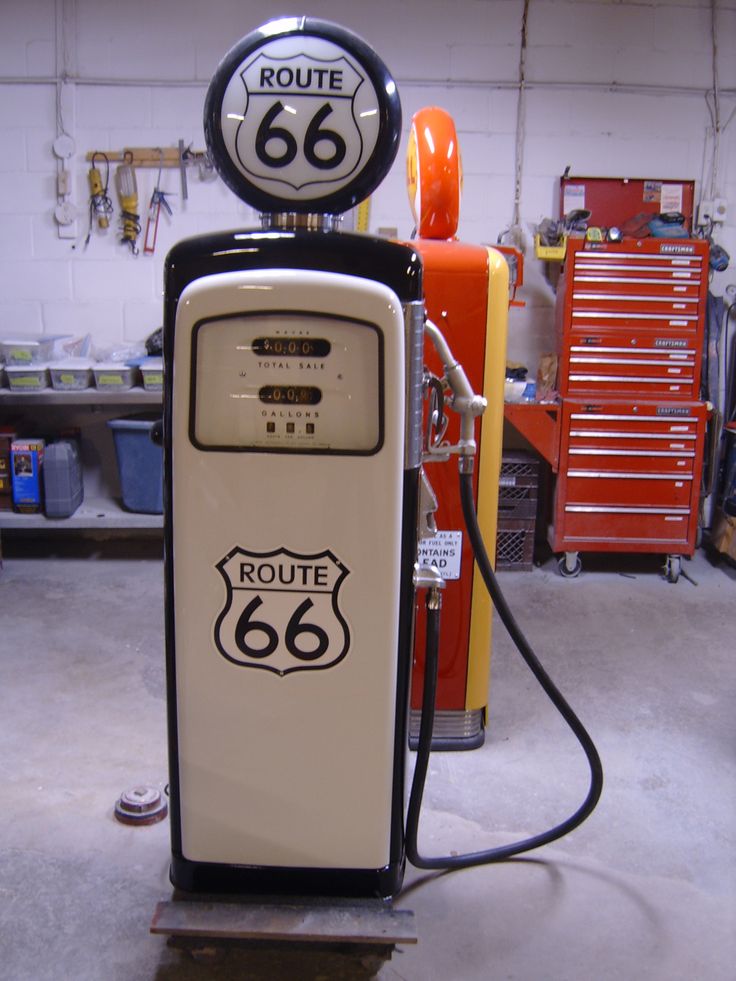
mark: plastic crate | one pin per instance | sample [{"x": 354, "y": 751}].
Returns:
[
  {"x": 518, "y": 485},
  {"x": 140, "y": 463},
  {"x": 515, "y": 544}
]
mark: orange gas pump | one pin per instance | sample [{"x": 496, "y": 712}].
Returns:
[{"x": 466, "y": 295}]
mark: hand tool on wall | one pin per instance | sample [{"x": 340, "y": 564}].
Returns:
[
  {"x": 127, "y": 188},
  {"x": 183, "y": 169},
  {"x": 158, "y": 201},
  {"x": 100, "y": 205}
]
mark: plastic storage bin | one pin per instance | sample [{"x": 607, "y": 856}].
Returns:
[
  {"x": 62, "y": 479},
  {"x": 114, "y": 377},
  {"x": 32, "y": 349},
  {"x": 152, "y": 371},
  {"x": 27, "y": 378},
  {"x": 71, "y": 375},
  {"x": 140, "y": 463}
]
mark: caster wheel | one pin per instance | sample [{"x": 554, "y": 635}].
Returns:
[
  {"x": 570, "y": 565},
  {"x": 672, "y": 567}
]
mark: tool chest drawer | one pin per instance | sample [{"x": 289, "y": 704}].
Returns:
[
  {"x": 621, "y": 315},
  {"x": 633, "y": 423},
  {"x": 648, "y": 285},
  {"x": 661, "y": 462},
  {"x": 607, "y": 368},
  {"x": 637, "y": 261},
  {"x": 627, "y": 487},
  {"x": 626, "y": 527},
  {"x": 625, "y": 361},
  {"x": 586, "y": 301}
]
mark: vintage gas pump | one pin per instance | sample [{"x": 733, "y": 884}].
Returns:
[
  {"x": 294, "y": 492},
  {"x": 293, "y": 450},
  {"x": 466, "y": 295}
]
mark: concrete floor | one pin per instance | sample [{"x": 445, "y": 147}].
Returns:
[{"x": 644, "y": 889}]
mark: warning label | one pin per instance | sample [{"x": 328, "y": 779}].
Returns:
[{"x": 443, "y": 550}]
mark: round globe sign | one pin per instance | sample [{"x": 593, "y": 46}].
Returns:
[
  {"x": 302, "y": 116},
  {"x": 434, "y": 173}
]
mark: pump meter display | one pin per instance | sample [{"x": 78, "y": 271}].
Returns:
[{"x": 287, "y": 381}]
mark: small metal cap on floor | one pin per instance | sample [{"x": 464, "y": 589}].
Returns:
[{"x": 141, "y": 805}]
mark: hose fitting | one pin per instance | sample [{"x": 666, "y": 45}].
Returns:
[{"x": 464, "y": 401}]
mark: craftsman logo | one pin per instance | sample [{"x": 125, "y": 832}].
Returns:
[
  {"x": 669, "y": 249},
  {"x": 299, "y": 126},
  {"x": 281, "y": 611},
  {"x": 671, "y": 410},
  {"x": 670, "y": 342}
]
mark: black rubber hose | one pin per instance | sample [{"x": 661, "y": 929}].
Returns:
[{"x": 424, "y": 744}]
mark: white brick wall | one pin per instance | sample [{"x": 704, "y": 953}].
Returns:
[{"x": 590, "y": 104}]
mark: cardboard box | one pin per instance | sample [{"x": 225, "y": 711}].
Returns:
[
  {"x": 26, "y": 459},
  {"x": 724, "y": 534}
]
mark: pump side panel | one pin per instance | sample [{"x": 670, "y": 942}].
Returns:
[{"x": 288, "y": 766}]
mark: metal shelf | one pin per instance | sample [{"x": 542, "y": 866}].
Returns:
[
  {"x": 85, "y": 396},
  {"x": 96, "y": 513}
]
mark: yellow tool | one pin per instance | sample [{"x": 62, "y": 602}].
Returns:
[
  {"x": 127, "y": 188},
  {"x": 100, "y": 205},
  {"x": 362, "y": 216}
]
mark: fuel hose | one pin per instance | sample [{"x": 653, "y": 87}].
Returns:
[{"x": 424, "y": 743}]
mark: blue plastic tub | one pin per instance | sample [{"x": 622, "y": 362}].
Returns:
[{"x": 140, "y": 463}]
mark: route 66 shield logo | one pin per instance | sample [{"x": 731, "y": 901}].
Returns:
[
  {"x": 299, "y": 126},
  {"x": 302, "y": 115},
  {"x": 281, "y": 610}
]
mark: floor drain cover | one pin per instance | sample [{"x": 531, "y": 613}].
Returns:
[{"x": 141, "y": 805}]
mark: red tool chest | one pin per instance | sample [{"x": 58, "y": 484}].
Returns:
[{"x": 630, "y": 323}]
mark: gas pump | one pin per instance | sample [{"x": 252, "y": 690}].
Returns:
[
  {"x": 466, "y": 295},
  {"x": 293, "y": 451},
  {"x": 294, "y": 493}
]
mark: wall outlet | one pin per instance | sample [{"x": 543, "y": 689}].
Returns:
[
  {"x": 67, "y": 231},
  {"x": 720, "y": 209},
  {"x": 63, "y": 183}
]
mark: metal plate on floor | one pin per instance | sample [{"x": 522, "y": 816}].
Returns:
[{"x": 325, "y": 921}]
